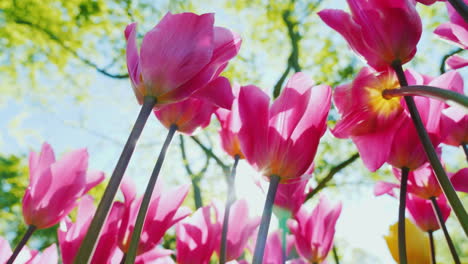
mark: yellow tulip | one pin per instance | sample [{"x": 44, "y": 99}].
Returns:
[{"x": 417, "y": 244}]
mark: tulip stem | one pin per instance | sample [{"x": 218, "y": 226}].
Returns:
[
  {"x": 442, "y": 178},
  {"x": 265, "y": 222},
  {"x": 123, "y": 258},
  {"x": 89, "y": 242},
  {"x": 135, "y": 240},
  {"x": 231, "y": 197},
  {"x": 465, "y": 149},
  {"x": 427, "y": 91},
  {"x": 21, "y": 244},
  {"x": 401, "y": 217},
  {"x": 461, "y": 8},
  {"x": 440, "y": 220},
  {"x": 335, "y": 255},
  {"x": 431, "y": 241}
]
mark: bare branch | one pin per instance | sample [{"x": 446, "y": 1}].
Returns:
[
  {"x": 334, "y": 170},
  {"x": 57, "y": 40}
]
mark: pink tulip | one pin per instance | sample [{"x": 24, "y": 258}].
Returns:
[
  {"x": 163, "y": 212},
  {"x": 421, "y": 182},
  {"x": 155, "y": 256},
  {"x": 48, "y": 256},
  {"x": 70, "y": 235},
  {"x": 383, "y": 32},
  {"x": 282, "y": 139},
  {"x": 363, "y": 108},
  {"x": 314, "y": 231},
  {"x": 55, "y": 186},
  {"x": 291, "y": 196},
  {"x": 456, "y": 62},
  {"x": 230, "y": 126},
  {"x": 241, "y": 228},
  {"x": 180, "y": 55},
  {"x": 423, "y": 213},
  {"x": 454, "y": 126},
  {"x": 460, "y": 180},
  {"x": 187, "y": 115},
  {"x": 197, "y": 237},
  {"x": 370, "y": 119},
  {"x": 274, "y": 248},
  {"x": 455, "y": 31},
  {"x": 429, "y": 2},
  {"x": 5, "y": 250}
]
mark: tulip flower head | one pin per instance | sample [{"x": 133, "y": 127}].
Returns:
[
  {"x": 454, "y": 126},
  {"x": 429, "y": 2},
  {"x": 455, "y": 31},
  {"x": 180, "y": 55},
  {"x": 164, "y": 211},
  {"x": 70, "y": 235},
  {"x": 383, "y": 32},
  {"x": 195, "y": 112},
  {"x": 291, "y": 196},
  {"x": 422, "y": 182},
  {"x": 423, "y": 214},
  {"x": 314, "y": 232},
  {"x": 241, "y": 228},
  {"x": 197, "y": 237},
  {"x": 230, "y": 126},
  {"x": 55, "y": 186},
  {"x": 282, "y": 139},
  {"x": 417, "y": 243},
  {"x": 362, "y": 106}
]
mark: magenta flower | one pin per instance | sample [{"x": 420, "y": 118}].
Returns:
[
  {"x": 454, "y": 126},
  {"x": 241, "y": 228},
  {"x": 314, "y": 231},
  {"x": 187, "y": 115},
  {"x": 370, "y": 119},
  {"x": 5, "y": 250},
  {"x": 423, "y": 214},
  {"x": 197, "y": 237},
  {"x": 455, "y": 31},
  {"x": 180, "y": 55},
  {"x": 230, "y": 126},
  {"x": 282, "y": 139},
  {"x": 460, "y": 180},
  {"x": 274, "y": 248},
  {"x": 429, "y": 2},
  {"x": 163, "y": 212},
  {"x": 291, "y": 196},
  {"x": 70, "y": 235},
  {"x": 421, "y": 182},
  {"x": 383, "y": 32},
  {"x": 55, "y": 186},
  {"x": 456, "y": 62},
  {"x": 48, "y": 256}
]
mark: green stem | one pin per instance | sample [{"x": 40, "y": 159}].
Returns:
[
  {"x": 21, "y": 244},
  {"x": 231, "y": 197},
  {"x": 440, "y": 220},
  {"x": 465, "y": 149},
  {"x": 401, "y": 217},
  {"x": 265, "y": 222},
  {"x": 461, "y": 8},
  {"x": 431, "y": 241},
  {"x": 442, "y": 178},
  {"x": 89, "y": 242},
  {"x": 427, "y": 91},
  {"x": 133, "y": 248},
  {"x": 335, "y": 255}
]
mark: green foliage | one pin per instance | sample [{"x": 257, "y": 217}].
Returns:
[{"x": 13, "y": 182}]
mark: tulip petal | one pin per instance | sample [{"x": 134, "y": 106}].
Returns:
[{"x": 176, "y": 50}]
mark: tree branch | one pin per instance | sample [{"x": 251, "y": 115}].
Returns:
[
  {"x": 444, "y": 59},
  {"x": 59, "y": 42},
  {"x": 293, "y": 59},
  {"x": 334, "y": 170},
  {"x": 210, "y": 152},
  {"x": 195, "y": 177}
]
